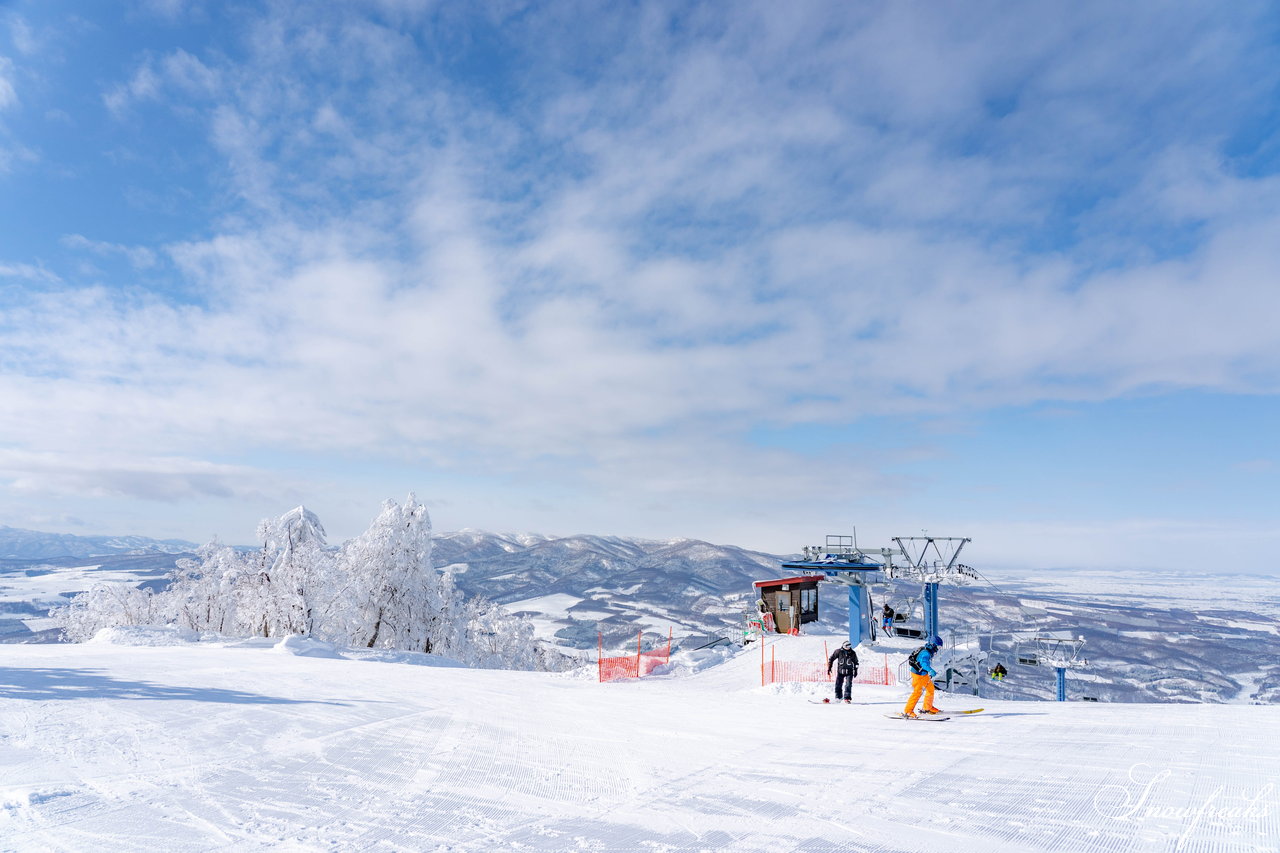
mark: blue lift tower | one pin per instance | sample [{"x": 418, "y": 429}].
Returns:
[{"x": 841, "y": 562}]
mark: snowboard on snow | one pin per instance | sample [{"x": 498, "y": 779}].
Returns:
[{"x": 828, "y": 702}]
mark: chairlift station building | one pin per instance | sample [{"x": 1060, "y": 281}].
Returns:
[{"x": 791, "y": 601}]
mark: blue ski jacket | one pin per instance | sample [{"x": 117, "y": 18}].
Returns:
[{"x": 924, "y": 663}]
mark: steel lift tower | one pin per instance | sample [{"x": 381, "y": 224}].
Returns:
[
  {"x": 1060, "y": 651},
  {"x": 931, "y": 560}
]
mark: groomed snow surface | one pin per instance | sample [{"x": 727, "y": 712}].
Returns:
[{"x": 146, "y": 741}]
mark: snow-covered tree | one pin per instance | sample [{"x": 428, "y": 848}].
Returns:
[
  {"x": 379, "y": 590},
  {"x": 106, "y": 605},
  {"x": 294, "y": 568},
  {"x": 495, "y": 638},
  {"x": 206, "y": 593},
  {"x": 394, "y": 597}
]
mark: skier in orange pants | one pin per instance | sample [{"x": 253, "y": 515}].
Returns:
[{"x": 922, "y": 674}]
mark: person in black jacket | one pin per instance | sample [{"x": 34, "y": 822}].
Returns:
[{"x": 846, "y": 661}]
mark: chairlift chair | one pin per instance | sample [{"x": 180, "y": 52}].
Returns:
[
  {"x": 906, "y": 608},
  {"x": 1028, "y": 653}
]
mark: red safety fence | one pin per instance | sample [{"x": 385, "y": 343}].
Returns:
[
  {"x": 632, "y": 666},
  {"x": 774, "y": 671}
]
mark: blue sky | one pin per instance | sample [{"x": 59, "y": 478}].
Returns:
[{"x": 750, "y": 273}]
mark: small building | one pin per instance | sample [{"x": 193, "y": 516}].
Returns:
[{"x": 790, "y": 601}]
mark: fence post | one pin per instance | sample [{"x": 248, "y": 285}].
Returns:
[{"x": 599, "y": 656}]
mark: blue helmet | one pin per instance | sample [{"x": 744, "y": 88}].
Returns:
[{"x": 935, "y": 641}]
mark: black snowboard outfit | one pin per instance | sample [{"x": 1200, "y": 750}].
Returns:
[{"x": 846, "y": 661}]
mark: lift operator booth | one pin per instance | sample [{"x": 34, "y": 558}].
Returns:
[
  {"x": 841, "y": 562},
  {"x": 791, "y": 602}
]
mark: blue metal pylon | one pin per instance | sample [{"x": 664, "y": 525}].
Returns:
[
  {"x": 1062, "y": 684},
  {"x": 931, "y": 610},
  {"x": 859, "y": 614}
]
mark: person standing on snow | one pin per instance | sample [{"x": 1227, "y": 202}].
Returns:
[
  {"x": 846, "y": 660},
  {"x": 922, "y": 675}
]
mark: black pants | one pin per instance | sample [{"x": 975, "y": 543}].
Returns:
[{"x": 844, "y": 682}]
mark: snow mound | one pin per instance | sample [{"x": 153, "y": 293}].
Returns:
[
  {"x": 586, "y": 672},
  {"x": 306, "y": 647},
  {"x": 697, "y": 660},
  {"x": 411, "y": 658},
  {"x": 145, "y": 635}
]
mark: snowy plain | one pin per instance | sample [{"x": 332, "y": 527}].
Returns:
[{"x": 154, "y": 742}]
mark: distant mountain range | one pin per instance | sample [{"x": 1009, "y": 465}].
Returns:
[
  {"x": 1148, "y": 636},
  {"x": 580, "y": 585},
  {"x": 18, "y": 544}
]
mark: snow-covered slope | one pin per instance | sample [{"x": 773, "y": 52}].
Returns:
[{"x": 296, "y": 747}]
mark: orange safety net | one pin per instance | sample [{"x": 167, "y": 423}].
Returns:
[
  {"x": 637, "y": 665},
  {"x": 774, "y": 671},
  {"x": 622, "y": 667},
  {"x": 651, "y": 660}
]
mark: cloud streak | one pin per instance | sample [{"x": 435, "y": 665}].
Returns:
[{"x": 145, "y": 478}]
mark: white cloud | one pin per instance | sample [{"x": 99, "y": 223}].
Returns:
[
  {"x": 145, "y": 85},
  {"x": 170, "y": 10},
  {"x": 30, "y": 272},
  {"x": 305, "y": 344},
  {"x": 8, "y": 93},
  {"x": 189, "y": 75},
  {"x": 21, "y": 36},
  {"x": 138, "y": 256}
]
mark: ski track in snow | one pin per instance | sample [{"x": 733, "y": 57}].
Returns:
[{"x": 212, "y": 748}]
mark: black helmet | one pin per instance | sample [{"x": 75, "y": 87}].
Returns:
[{"x": 847, "y": 645}]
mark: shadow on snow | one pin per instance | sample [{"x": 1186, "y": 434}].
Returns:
[{"x": 40, "y": 684}]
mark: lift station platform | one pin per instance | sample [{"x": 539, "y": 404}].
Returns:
[{"x": 842, "y": 562}]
